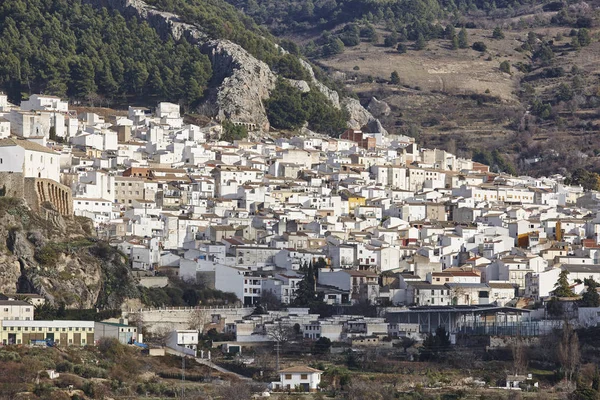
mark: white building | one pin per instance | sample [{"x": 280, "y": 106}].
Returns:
[
  {"x": 16, "y": 310},
  {"x": 30, "y": 158},
  {"x": 184, "y": 341},
  {"x": 300, "y": 378}
]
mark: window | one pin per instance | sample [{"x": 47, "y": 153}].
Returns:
[
  {"x": 288, "y": 376},
  {"x": 303, "y": 376}
]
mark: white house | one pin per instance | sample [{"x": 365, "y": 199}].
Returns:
[
  {"x": 302, "y": 378},
  {"x": 30, "y": 158},
  {"x": 16, "y": 310},
  {"x": 184, "y": 341}
]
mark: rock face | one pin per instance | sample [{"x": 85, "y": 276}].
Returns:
[
  {"x": 300, "y": 85},
  {"x": 53, "y": 256},
  {"x": 331, "y": 95},
  {"x": 379, "y": 108},
  {"x": 245, "y": 83},
  {"x": 359, "y": 116}
]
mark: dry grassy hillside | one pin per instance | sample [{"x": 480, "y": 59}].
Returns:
[{"x": 461, "y": 100}]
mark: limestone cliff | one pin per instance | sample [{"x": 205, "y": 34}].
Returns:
[{"x": 55, "y": 256}]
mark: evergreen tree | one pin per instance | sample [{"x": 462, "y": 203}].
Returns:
[
  {"x": 306, "y": 291},
  {"x": 590, "y": 298},
  {"x": 449, "y": 32},
  {"x": 82, "y": 77},
  {"x": 395, "y": 78},
  {"x": 562, "y": 287},
  {"x": 497, "y": 33},
  {"x": 584, "y": 37},
  {"x": 420, "y": 42},
  {"x": 505, "y": 67},
  {"x": 284, "y": 107},
  {"x": 454, "y": 42},
  {"x": 463, "y": 41}
]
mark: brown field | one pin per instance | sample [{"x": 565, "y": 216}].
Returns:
[{"x": 438, "y": 67}]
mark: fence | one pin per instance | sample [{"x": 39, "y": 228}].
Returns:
[{"x": 501, "y": 329}]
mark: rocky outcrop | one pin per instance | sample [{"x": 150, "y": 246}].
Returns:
[
  {"x": 54, "y": 256},
  {"x": 379, "y": 108},
  {"x": 359, "y": 117},
  {"x": 245, "y": 83},
  {"x": 300, "y": 85},
  {"x": 331, "y": 95}
]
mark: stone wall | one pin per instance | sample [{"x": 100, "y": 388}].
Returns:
[
  {"x": 41, "y": 190},
  {"x": 37, "y": 191},
  {"x": 166, "y": 319},
  {"x": 12, "y": 184}
]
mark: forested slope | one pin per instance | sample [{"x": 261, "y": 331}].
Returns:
[{"x": 65, "y": 48}]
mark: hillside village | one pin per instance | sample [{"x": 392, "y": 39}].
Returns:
[{"x": 364, "y": 219}]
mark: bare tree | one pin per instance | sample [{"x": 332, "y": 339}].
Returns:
[
  {"x": 280, "y": 333},
  {"x": 198, "y": 319},
  {"x": 519, "y": 355},
  {"x": 568, "y": 351}
]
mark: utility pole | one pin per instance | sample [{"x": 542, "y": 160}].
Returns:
[
  {"x": 182, "y": 377},
  {"x": 277, "y": 347}
]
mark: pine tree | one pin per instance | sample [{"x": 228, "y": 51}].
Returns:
[
  {"x": 454, "y": 43},
  {"x": 498, "y": 34},
  {"x": 420, "y": 42},
  {"x": 590, "y": 298},
  {"x": 562, "y": 287},
  {"x": 395, "y": 78},
  {"x": 463, "y": 41}
]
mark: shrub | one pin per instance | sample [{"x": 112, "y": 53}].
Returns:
[
  {"x": 479, "y": 46},
  {"x": 64, "y": 366},
  {"x": 48, "y": 255},
  {"x": 505, "y": 67},
  {"x": 9, "y": 356}
]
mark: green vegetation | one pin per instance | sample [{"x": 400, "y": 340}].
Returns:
[
  {"x": 562, "y": 288},
  {"x": 220, "y": 20},
  {"x": 47, "y": 311},
  {"x": 587, "y": 179},
  {"x": 435, "y": 344},
  {"x": 65, "y": 48},
  {"x": 590, "y": 298},
  {"x": 289, "y": 108},
  {"x": 463, "y": 40},
  {"x": 495, "y": 160},
  {"x": 233, "y": 132},
  {"x": 394, "y": 78},
  {"x": 479, "y": 46},
  {"x": 505, "y": 67},
  {"x": 498, "y": 33}
]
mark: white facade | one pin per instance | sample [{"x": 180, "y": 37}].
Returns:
[
  {"x": 16, "y": 310},
  {"x": 304, "y": 379},
  {"x": 32, "y": 159}
]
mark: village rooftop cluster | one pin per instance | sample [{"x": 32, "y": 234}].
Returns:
[{"x": 384, "y": 221}]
